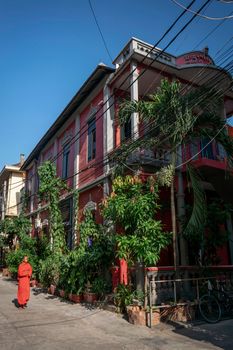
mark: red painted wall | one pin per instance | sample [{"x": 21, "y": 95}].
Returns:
[
  {"x": 230, "y": 130},
  {"x": 48, "y": 153},
  {"x": 66, "y": 135},
  {"x": 91, "y": 170},
  {"x": 94, "y": 194}
]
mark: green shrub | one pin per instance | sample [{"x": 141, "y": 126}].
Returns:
[
  {"x": 49, "y": 270},
  {"x": 100, "y": 286},
  {"x": 125, "y": 296},
  {"x": 15, "y": 257}
]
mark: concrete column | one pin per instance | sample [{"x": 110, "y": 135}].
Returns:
[
  {"x": 75, "y": 180},
  {"x": 33, "y": 182},
  {"x": 134, "y": 97},
  {"x": 4, "y": 200},
  {"x": 76, "y": 152},
  {"x": 108, "y": 131},
  {"x": 230, "y": 230}
]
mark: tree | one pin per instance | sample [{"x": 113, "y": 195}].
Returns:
[
  {"x": 175, "y": 118},
  {"x": 19, "y": 228},
  {"x": 132, "y": 206},
  {"x": 16, "y": 227}
]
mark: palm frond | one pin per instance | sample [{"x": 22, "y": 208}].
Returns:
[
  {"x": 146, "y": 109},
  {"x": 198, "y": 217}
]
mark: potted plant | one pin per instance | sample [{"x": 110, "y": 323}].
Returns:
[
  {"x": 76, "y": 286},
  {"x": 49, "y": 273},
  {"x": 100, "y": 287},
  {"x": 89, "y": 295},
  {"x": 123, "y": 297},
  {"x": 33, "y": 282},
  {"x": 62, "y": 293},
  {"x": 76, "y": 297}
]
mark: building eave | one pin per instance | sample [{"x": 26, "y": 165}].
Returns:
[
  {"x": 97, "y": 75},
  {"x": 9, "y": 169}
]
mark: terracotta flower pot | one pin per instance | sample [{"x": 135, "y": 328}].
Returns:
[
  {"x": 90, "y": 297},
  {"x": 6, "y": 272},
  {"x": 33, "y": 283},
  {"x": 62, "y": 293},
  {"x": 76, "y": 298},
  {"x": 52, "y": 289}
]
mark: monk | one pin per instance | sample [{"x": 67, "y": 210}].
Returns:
[{"x": 24, "y": 275}]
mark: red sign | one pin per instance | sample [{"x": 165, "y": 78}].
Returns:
[{"x": 194, "y": 58}]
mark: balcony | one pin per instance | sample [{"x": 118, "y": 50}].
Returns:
[
  {"x": 148, "y": 158},
  {"x": 210, "y": 160},
  {"x": 204, "y": 154}
]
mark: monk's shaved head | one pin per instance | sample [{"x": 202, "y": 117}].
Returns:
[{"x": 25, "y": 259}]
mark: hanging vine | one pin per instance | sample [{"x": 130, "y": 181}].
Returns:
[
  {"x": 50, "y": 189},
  {"x": 75, "y": 214}
]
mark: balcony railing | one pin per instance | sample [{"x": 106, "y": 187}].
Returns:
[
  {"x": 163, "y": 284},
  {"x": 149, "y": 158},
  {"x": 203, "y": 149}
]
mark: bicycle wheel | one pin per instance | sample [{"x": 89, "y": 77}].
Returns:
[{"x": 209, "y": 308}]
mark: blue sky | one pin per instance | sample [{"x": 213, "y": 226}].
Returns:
[{"x": 49, "y": 47}]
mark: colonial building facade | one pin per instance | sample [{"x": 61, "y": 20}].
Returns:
[
  {"x": 11, "y": 187},
  {"x": 87, "y": 132}
]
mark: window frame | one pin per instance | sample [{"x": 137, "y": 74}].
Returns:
[
  {"x": 126, "y": 130},
  {"x": 91, "y": 139},
  {"x": 65, "y": 161}
]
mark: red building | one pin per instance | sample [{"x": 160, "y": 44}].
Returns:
[{"x": 87, "y": 131}]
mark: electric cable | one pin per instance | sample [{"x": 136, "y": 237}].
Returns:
[
  {"x": 100, "y": 31},
  {"x": 201, "y": 15}
]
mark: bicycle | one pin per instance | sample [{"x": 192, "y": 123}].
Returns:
[{"x": 212, "y": 305}]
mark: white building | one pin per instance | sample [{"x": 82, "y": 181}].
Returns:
[{"x": 11, "y": 186}]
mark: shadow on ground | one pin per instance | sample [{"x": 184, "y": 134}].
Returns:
[
  {"x": 37, "y": 291},
  {"x": 9, "y": 279},
  {"x": 219, "y": 334},
  {"x": 15, "y": 302}
]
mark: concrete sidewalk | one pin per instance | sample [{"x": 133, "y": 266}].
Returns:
[{"x": 51, "y": 323}]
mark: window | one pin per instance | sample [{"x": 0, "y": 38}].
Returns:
[
  {"x": 126, "y": 130},
  {"x": 221, "y": 153},
  {"x": 194, "y": 149},
  {"x": 207, "y": 148},
  {"x": 65, "y": 161},
  {"x": 91, "y": 140}
]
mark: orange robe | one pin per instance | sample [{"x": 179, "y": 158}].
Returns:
[
  {"x": 123, "y": 272},
  {"x": 24, "y": 275}
]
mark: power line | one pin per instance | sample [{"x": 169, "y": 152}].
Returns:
[
  {"x": 131, "y": 73},
  {"x": 201, "y": 15},
  {"x": 212, "y": 31},
  {"x": 177, "y": 34},
  {"x": 145, "y": 69},
  {"x": 100, "y": 31},
  {"x": 88, "y": 167},
  {"x": 226, "y": 1},
  {"x": 202, "y": 149},
  {"x": 101, "y": 163},
  {"x": 184, "y": 88}
]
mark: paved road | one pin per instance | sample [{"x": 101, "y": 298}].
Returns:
[{"x": 50, "y": 323}]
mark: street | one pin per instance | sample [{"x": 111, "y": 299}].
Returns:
[{"x": 52, "y": 323}]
